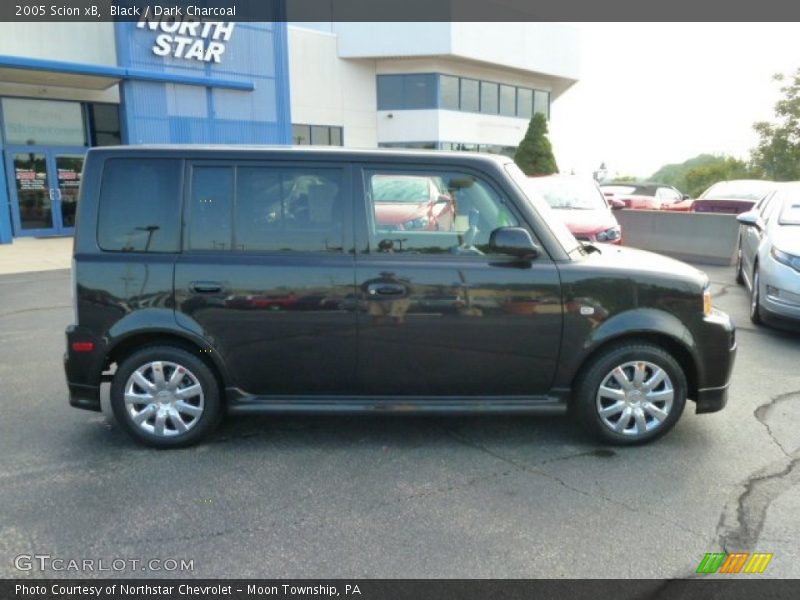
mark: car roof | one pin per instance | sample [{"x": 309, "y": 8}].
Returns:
[{"x": 326, "y": 152}]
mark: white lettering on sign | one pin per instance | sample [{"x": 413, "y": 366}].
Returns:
[{"x": 189, "y": 38}]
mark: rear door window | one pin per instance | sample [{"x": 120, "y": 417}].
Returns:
[
  {"x": 139, "y": 205},
  {"x": 266, "y": 208}
]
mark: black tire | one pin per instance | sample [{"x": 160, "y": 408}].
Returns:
[
  {"x": 755, "y": 299},
  {"x": 195, "y": 369},
  {"x": 739, "y": 273},
  {"x": 586, "y": 401}
]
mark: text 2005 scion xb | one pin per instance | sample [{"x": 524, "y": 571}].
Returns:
[{"x": 252, "y": 279}]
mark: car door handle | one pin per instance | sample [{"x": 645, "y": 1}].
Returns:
[
  {"x": 386, "y": 289},
  {"x": 205, "y": 287}
]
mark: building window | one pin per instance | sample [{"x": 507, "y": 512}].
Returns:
[
  {"x": 407, "y": 92},
  {"x": 104, "y": 128},
  {"x": 524, "y": 103},
  {"x": 508, "y": 100},
  {"x": 541, "y": 102},
  {"x": 317, "y": 135},
  {"x": 410, "y": 145},
  {"x": 489, "y": 97},
  {"x": 470, "y": 95},
  {"x": 448, "y": 92},
  {"x": 43, "y": 122}
]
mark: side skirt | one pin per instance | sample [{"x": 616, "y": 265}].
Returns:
[{"x": 240, "y": 403}]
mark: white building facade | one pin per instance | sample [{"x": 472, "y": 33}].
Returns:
[{"x": 459, "y": 86}]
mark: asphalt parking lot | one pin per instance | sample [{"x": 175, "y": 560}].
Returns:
[{"x": 394, "y": 496}]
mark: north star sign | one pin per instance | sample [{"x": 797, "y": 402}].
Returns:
[{"x": 189, "y": 38}]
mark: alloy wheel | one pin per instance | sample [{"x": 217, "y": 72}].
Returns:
[
  {"x": 635, "y": 398},
  {"x": 164, "y": 398}
]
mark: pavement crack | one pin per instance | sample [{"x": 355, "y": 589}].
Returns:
[
  {"x": 762, "y": 412},
  {"x": 760, "y": 490},
  {"x": 520, "y": 466},
  {"x": 739, "y": 529}
]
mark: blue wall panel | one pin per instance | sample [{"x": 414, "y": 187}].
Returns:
[
  {"x": 177, "y": 113},
  {"x": 5, "y": 208}
]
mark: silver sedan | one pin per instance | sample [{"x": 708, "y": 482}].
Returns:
[{"x": 768, "y": 260}]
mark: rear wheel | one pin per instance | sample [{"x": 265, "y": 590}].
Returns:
[
  {"x": 631, "y": 394},
  {"x": 755, "y": 299},
  {"x": 165, "y": 397}
]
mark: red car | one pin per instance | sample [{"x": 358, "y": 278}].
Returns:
[
  {"x": 410, "y": 202},
  {"x": 581, "y": 206},
  {"x": 643, "y": 196},
  {"x": 732, "y": 197}
]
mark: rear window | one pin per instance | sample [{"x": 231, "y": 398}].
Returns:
[
  {"x": 738, "y": 190},
  {"x": 139, "y": 207}
]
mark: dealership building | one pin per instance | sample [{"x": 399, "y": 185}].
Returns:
[{"x": 67, "y": 87}]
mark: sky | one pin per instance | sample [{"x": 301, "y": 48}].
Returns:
[{"x": 656, "y": 93}]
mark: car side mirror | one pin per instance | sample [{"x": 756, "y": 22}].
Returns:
[
  {"x": 514, "y": 241},
  {"x": 616, "y": 204},
  {"x": 685, "y": 197},
  {"x": 751, "y": 218},
  {"x": 442, "y": 199}
]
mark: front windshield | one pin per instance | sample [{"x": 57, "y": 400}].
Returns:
[
  {"x": 738, "y": 190},
  {"x": 572, "y": 193},
  {"x": 556, "y": 225}
]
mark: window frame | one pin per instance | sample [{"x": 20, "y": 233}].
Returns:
[{"x": 344, "y": 168}]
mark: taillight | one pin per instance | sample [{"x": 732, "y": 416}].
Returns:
[{"x": 82, "y": 346}]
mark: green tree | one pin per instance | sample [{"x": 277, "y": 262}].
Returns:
[
  {"x": 696, "y": 180},
  {"x": 778, "y": 150},
  {"x": 535, "y": 154},
  {"x": 675, "y": 174}
]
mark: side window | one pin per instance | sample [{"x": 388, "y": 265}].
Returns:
[
  {"x": 285, "y": 209},
  {"x": 668, "y": 194},
  {"x": 769, "y": 206},
  {"x": 210, "y": 208},
  {"x": 432, "y": 212},
  {"x": 139, "y": 205}
]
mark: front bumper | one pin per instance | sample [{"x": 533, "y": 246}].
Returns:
[{"x": 716, "y": 353}]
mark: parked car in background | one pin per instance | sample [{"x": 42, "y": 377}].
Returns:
[
  {"x": 580, "y": 204},
  {"x": 644, "y": 195},
  {"x": 768, "y": 259},
  {"x": 404, "y": 203},
  {"x": 732, "y": 197}
]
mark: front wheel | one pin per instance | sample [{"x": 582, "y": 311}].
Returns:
[
  {"x": 755, "y": 299},
  {"x": 631, "y": 394},
  {"x": 165, "y": 397},
  {"x": 739, "y": 271}
]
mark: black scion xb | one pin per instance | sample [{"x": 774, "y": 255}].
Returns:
[{"x": 253, "y": 279}]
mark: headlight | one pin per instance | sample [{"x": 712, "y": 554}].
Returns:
[
  {"x": 609, "y": 235},
  {"x": 706, "y": 301},
  {"x": 418, "y": 223},
  {"x": 790, "y": 260}
]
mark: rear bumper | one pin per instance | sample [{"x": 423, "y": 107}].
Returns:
[{"x": 82, "y": 371}]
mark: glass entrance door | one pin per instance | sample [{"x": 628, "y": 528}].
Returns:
[{"x": 44, "y": 184}]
